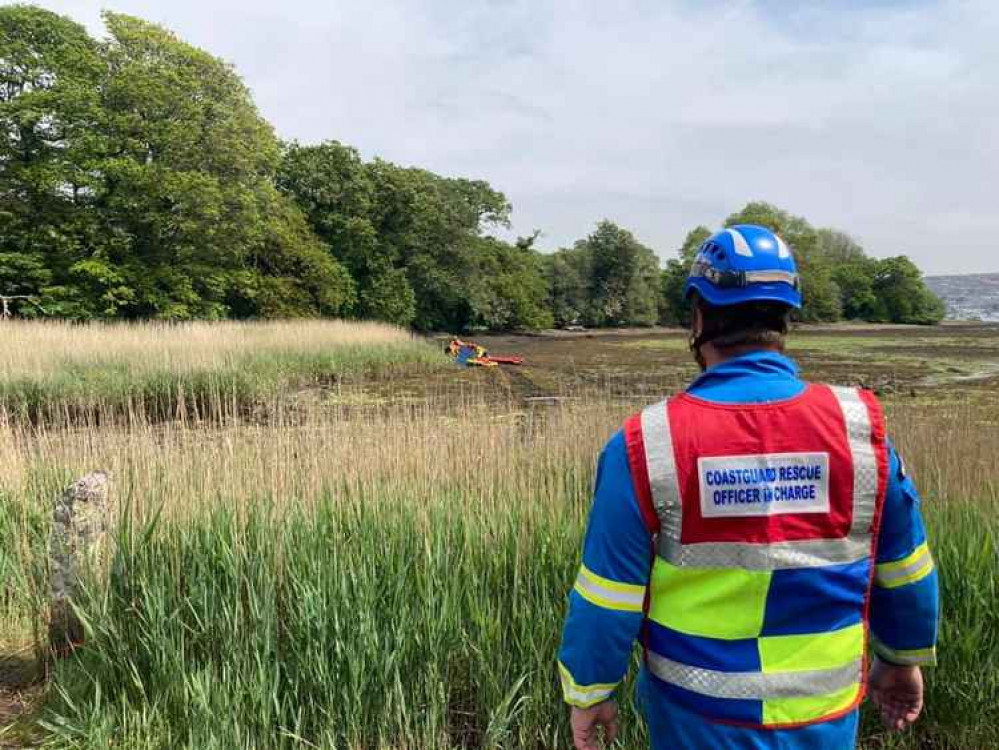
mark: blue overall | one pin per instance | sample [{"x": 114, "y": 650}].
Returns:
[{"x": 597, "y": 642}]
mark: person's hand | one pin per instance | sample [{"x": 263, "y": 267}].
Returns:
[
  {"x": 897, "y": 691},
  {"x": 585, "y": 723}
]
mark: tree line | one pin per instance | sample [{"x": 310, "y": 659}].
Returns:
[{"x": 138, "y": 180}]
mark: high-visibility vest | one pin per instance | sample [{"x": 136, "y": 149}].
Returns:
[{"x": 764, "y": 520}]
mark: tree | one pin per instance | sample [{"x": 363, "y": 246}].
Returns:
[
  {"x": 902, "y": 296},
  {"x": 430, "y": 225},
  {"x": 137, "y": 176},
  {"x": 508, "y": 290},
  {"x": 568, "y": 275},
  {"x": 138, "y": 180},
  {"x": 331, "y": 184},
  {"x": 692, "y": 243},
  {"x": 855, "y": 280},
  {"x": 674, "y": 309},
  {"x": 623, "y": 280},
  {"x": 839, "y": 247},
  {"x": 49, "y": 71},
  {"x": 411, "y": 239},
  {"x": 187, "y": 190},
  {"x": 673, "y": 306},
  {"x": 290, "y": 273}
]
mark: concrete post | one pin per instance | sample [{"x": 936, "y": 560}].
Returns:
[{"x": 80, "y": 541}]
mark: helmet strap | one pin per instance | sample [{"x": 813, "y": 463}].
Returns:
[{"x": 695, "y": 342}]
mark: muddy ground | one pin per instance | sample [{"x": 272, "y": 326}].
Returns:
[{"x": 899, "y": 362}]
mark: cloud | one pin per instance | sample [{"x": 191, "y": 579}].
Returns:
[{"x": 876, "y": 117}]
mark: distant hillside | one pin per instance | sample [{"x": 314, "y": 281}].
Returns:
[{"x": 968, "y": 297}]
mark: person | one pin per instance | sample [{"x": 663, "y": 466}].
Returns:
[{"x": 758, "y": 534}]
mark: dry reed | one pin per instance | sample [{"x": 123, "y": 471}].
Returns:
[{"x": 36, "y": 350}]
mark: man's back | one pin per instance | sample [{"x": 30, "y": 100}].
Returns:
[{"x": 826, "y": 598}]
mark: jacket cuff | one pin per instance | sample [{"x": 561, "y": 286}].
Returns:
[
  {"x": 583, "y": 696},
  {"x": 913, "y": 657}
]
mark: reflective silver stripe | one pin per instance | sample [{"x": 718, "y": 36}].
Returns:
[
  {"x": 661, "y": 465},
  {"x": 811, "y": 553},
  {"x": 754, "y": 685},
  {"x": 623, "y": 599},
  {"x": 916, "y": 565},
  {"x": 739, "y": 242},
  {"x": 782, "y": 249},
  {"x": 865, "y": 463},
  {"x": 771, "y": 277},
  {"x": 912, "y": 657},
  {"x": 583, "y": 696}
]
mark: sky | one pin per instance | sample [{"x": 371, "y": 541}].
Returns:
[{"x": 876, "y": 117}]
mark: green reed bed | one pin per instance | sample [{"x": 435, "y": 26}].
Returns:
[
  {"x": 403, "y": 622},
  {"x": 365, "y": 624}
]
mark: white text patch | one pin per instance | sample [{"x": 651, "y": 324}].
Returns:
[{"x": 764, "y": 485}]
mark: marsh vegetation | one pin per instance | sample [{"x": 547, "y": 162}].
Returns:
[{"x": 380, "y": 566}]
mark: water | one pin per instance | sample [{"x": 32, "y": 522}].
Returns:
[{"x": 968, "y": 297}]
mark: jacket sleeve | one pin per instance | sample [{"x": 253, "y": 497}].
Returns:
[
  {"x": 606, "y": 602},
  {"x": 904, "y": 600}
]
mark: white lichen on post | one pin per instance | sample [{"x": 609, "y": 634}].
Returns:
[{"x": 79, "y": 542}]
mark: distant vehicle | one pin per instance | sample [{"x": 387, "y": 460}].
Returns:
[{"x": 574, "y": 328}]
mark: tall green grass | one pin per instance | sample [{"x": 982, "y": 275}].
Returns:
[
  {"x": 962, "y": 691},
  {"x": 368, "y": 624},
  {"x": 351, "y": 627}
]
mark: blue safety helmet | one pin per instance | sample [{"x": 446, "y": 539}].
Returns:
[{"x": 745, "y": 263}]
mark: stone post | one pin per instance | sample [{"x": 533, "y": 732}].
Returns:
[{"x": 80, "y": 542}]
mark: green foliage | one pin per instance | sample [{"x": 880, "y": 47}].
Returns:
[
  {"x": 431, "y": 226},
  {"x": 607, "y": 279},
  {"x": 901, "y": 295},
  {"x": 856, "y": 283},
  {"x": 389, "y": 297},
  {"x": 331, "y": 185},
  {"x": 456, "y": 650},
  {"x": 839, "y": 279},
  {"x": 49, "y": 112},
  {"x": 839, "y": 247},
  {"x": 509, "y": 289},
  {"x": 673, "y": 306},
  {"x": 138, "y": 180},
  {"x": 413, "y": 240},
  {"x": 692, "y": 243},
  {"x": 568, "y": 274},
  {"x": 623, "y": 279}
]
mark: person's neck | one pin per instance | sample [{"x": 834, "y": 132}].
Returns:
[{"x": 715, "y": 356}]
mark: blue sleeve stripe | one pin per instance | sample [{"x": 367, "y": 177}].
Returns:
[
  {"x": 912, "y": 568},
  {"x": 603, "y": 592}
]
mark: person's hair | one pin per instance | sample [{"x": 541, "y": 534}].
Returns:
[{"x": 748, "y": 324}]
